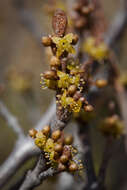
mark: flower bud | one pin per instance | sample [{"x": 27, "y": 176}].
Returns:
[
  {"x": 75, "y": 39},
  {"x": 88, "y": 108},
  {"x": 77, "y": 95},
  {"x": 64, "y": 159},
  {"x": 68, "y": 140},
  {"x": 72, "y": 89},
  {"x": 58, "y": 148},
  {"x": 101, "y": 83},
  {"x": 56, "y": 135},
  {"x": 61, "y": 167},
  {"x": 73, "y": 167},
  {"x": 46, "y": 130},
  {"x": 54, "y": 62},
  {"x": 32, "y": 133},
  {"x": 49, "y": 75},
  {"x": 46, "y": 41}
]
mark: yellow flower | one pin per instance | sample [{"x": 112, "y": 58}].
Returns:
[
  {"x": 97, "y": 51},
  {"x": 75, "y": 106},
  {"x": 40, "y": 140},
  {"x": 49, "y": 148},
  {"x": 64, "y": 44},
  {"x": 47, "y": 83},
  {"x": 63, "y": 81}
]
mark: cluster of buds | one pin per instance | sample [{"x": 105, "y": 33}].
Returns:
[
  {"x": 112, "y": 126},
  {"x": 66, "y": 76},
  {"x": 58, "y": 149},
  {"x": 82, "y": 12}
]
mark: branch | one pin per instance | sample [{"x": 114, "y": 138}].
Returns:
[
  {"x": 108, "y": 150},
  {"x": 88, "y": 160},
  {"x": 23, "y": 150},
  {"x": 32, "y": 177},
  {"x": 11, "y": 120},
  {"x": 117, "y": 26}
]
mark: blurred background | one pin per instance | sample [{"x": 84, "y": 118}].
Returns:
[{"x": 22, "y": 59}]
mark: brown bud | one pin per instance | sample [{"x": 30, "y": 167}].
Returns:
[
  {"x": 58, "y": 148},
  {"x": 82, "y": 99},
  {"x": 61, "y": 167},
  {"x": 54, "y": 62},
  {"x": 56, "y": 135},
  {"x": 85, "y": 10},
  {"x": 77, "y": 6},
  {"x": 46, "y": 130},
  {"x": 49, "y": 75},
  {"x": 46, "y": 41},
  {"x": 68, "y": 140},
  {"x": 64, "y": 159},
  {"x": 101, "y": 83},
  {"x": 75, "y": 39},
  {"x": 72, "y": 89},
  {"x": 59, "y": 23},
  {"x": 32, "y": 133},
  {"x": 73, "y": 167},
  {"x": 88, "y": 108},
  {"x": 67, "y": 151},
  {"x": 80, "y": 23},
  {"x": 77, "y": 95}
]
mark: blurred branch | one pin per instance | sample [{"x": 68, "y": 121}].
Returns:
[
  {"x": 117, "y": 26},
  {"x": 88, "y": 160},
  {"x": 108, "y": 150},
  {"x": 23, "y": 150},
  {"x": 11, "y": 120}
]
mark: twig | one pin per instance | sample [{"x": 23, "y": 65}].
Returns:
[
  {"x": 23, "y": 150},
  {"x": 122, "y": 100},
  {"x": 117, "y": 26},
  {"x": 32, "y": 177},
  {"x": 84, "y": 136},
  {"x": 11, "y": 120},
  {"x": 38, "y": 175},
  {"x": 108, "y": 150}
]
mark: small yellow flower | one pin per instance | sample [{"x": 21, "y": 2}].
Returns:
[
  {"x": 64, "y": 44},
  {"x": 47, "y": 83},
  {"x": 49, "y": 148},
  {"x": 63, "y": 81},
  {"x": 76, "y": 106},
  {"x": 40, "y": 140}
]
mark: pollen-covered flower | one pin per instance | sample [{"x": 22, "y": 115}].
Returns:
[
  {"x": 63, "y": 44},
  {"x": 63, "y": 81},
  {"x": 40, "y": 140},
  {"x": 74, "y": 106}
]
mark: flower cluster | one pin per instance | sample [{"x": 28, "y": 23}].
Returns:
[
  {"x": 58, "y": 149},
  {"x": 66, "y": 76},
  {"x": 112, "y": 126},
  {"x": 98, "y": 51}
]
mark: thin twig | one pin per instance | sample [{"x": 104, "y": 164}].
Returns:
[
  {"x": 117, "y": 26},
  {"x": 11, "y": 120},
  {"x": 108, "y": 150}
]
